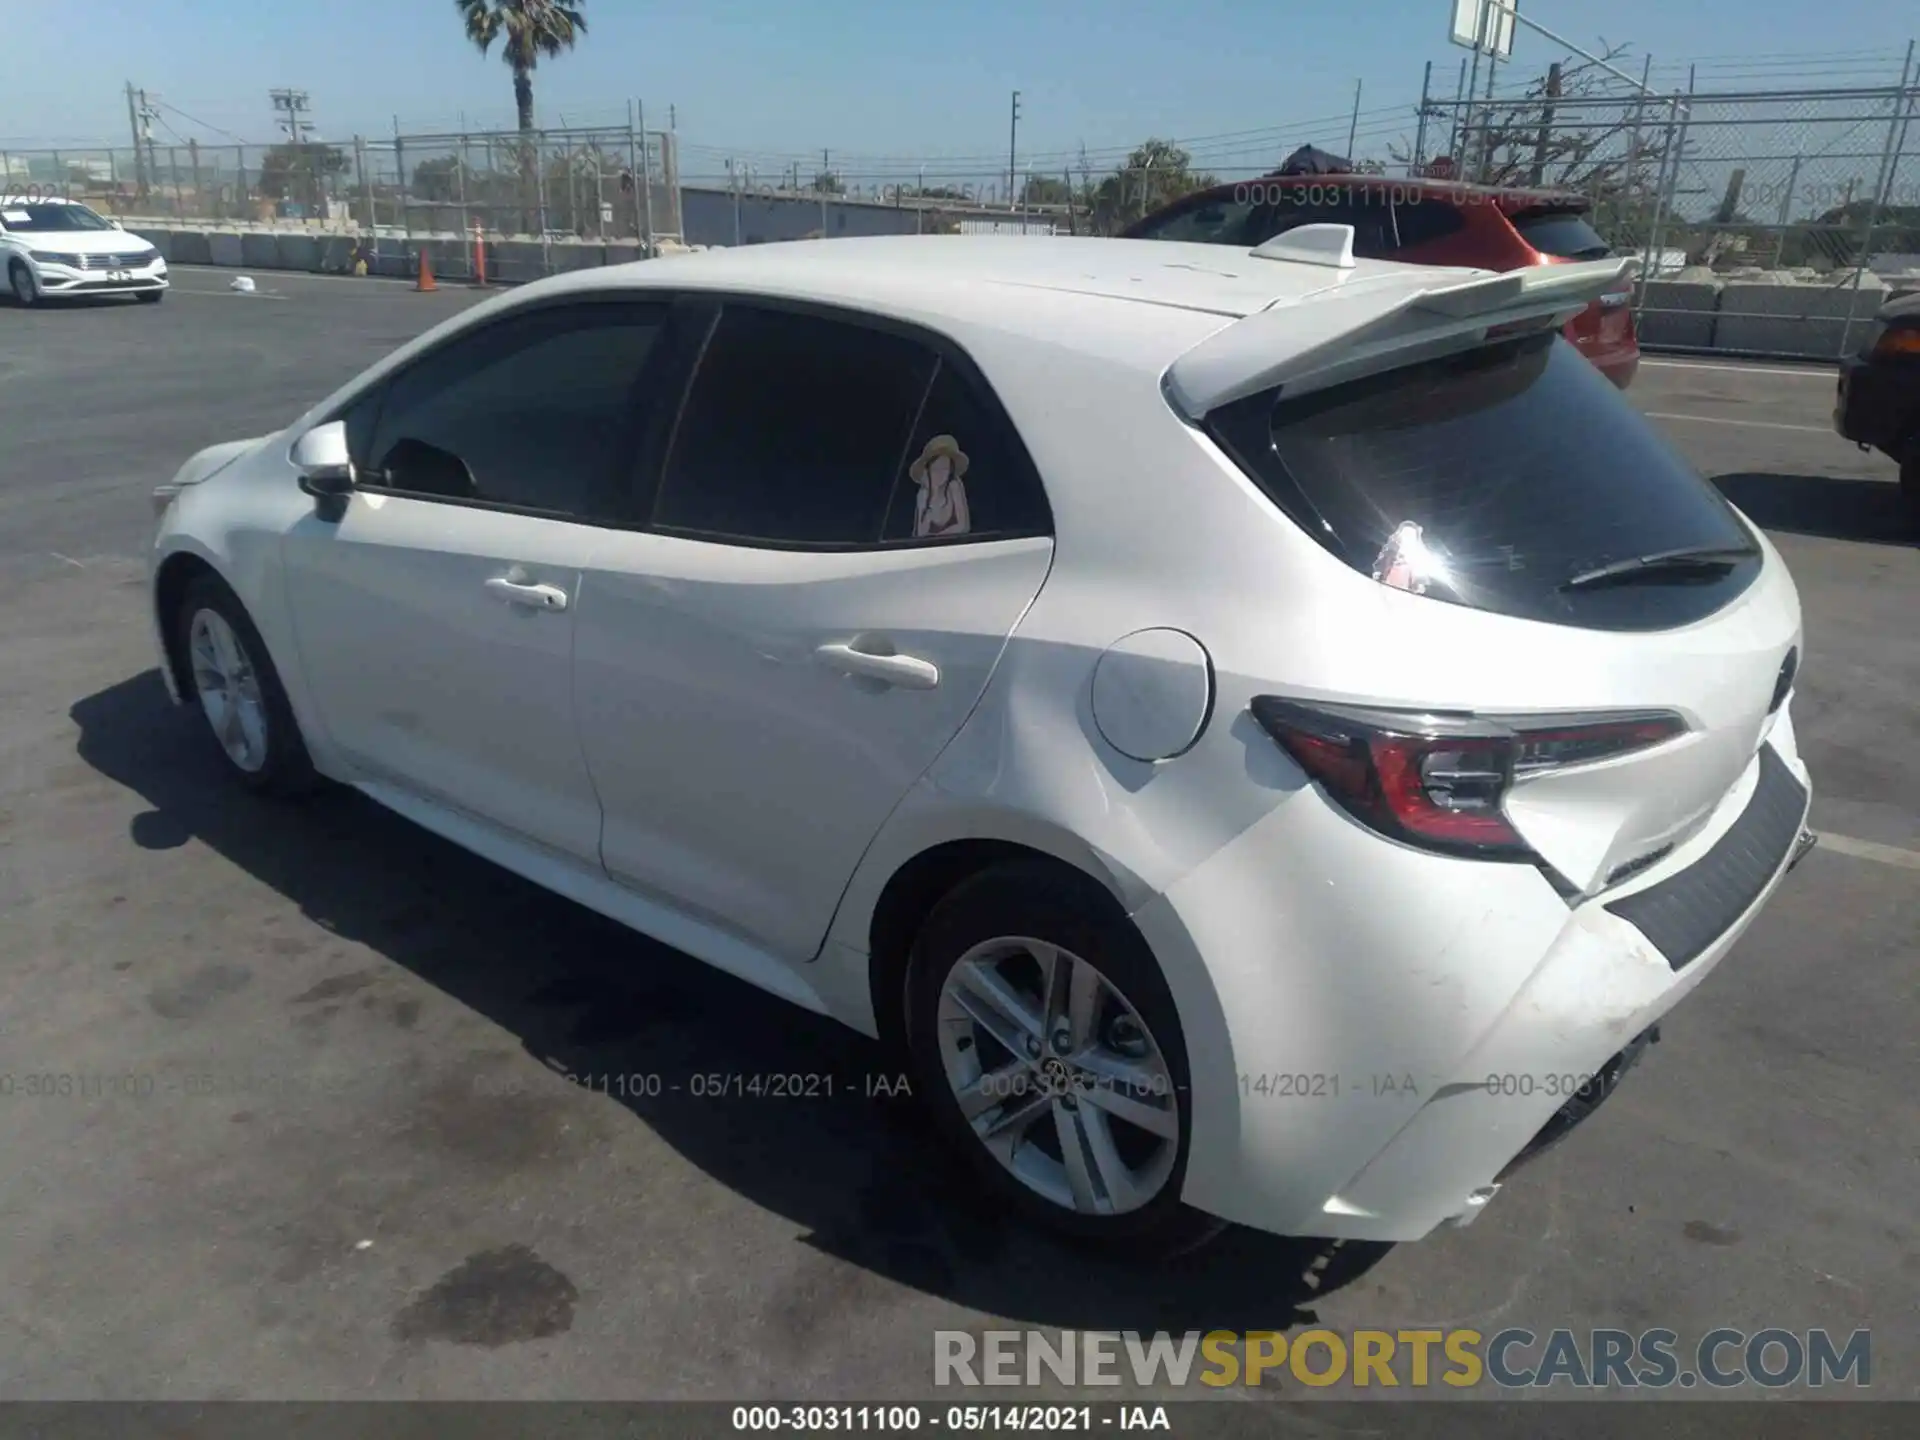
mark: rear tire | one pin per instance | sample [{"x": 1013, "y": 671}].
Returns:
[
  {"x": 1071, "y": 1100},
  {"x": 1910, "y": 485},
  {"x": 20, "y": 280},
  {"x": 232, "y": 682}
]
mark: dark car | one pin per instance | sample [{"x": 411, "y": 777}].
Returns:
[
  {"x": 1420, "y": 222},
  {"x": 1878, "y": 404}
]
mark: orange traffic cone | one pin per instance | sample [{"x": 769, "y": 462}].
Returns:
[{"x": 425, "y": 282}]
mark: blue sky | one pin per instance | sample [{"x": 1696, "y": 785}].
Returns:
[{"x": 868, "y": 79}]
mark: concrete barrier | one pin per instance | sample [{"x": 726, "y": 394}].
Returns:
[
  {"x": 515, "y": 261},
  {"x": 160, "y": 239},
  {"x": 290, "y": 252},
  {"x": 189, "y": 247},
  {"x": 1795, "y": 319},
  {"x": 577, "y": 255},
  {"x": 260, "y": 250},
  {"x": 336, "y": 253},
  {"x": 1680, "y": 314},
  {"x": 224, "y": 248}
]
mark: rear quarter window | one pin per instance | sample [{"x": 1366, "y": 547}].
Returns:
[{"x": 1521, "y": 465}]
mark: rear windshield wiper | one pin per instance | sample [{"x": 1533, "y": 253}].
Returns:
[{"x": 1662, "y": 565}]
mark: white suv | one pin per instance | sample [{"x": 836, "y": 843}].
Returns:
[
  {"x": 50, "y": 248},
  {"x": 1270, "y": 735}
]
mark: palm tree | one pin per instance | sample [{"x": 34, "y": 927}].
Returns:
[{"x": 529, "y": 29}]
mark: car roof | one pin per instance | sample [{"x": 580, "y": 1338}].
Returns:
[{"x": 990, "y": 279}]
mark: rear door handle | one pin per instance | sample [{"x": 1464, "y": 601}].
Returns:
[
  {"x": 527, "y": 594},
  {"x": 907, "y": 672}
]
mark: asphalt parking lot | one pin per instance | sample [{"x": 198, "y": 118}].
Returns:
[{"x": 318, "y": 1147}]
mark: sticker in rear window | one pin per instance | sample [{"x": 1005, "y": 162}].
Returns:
[
  {"x": 1406, "y": 563},
  {"x": 941, "y": 506}
]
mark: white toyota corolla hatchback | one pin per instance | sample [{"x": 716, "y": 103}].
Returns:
[{"x": 1269, "y": 735}]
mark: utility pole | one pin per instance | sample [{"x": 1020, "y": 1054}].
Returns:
[
  {"x": 1537, "y": 175},
  {"x": 1353, "y": 128},
  {"x": 150, "y": 112},
  {"x": 826, "y": 176},
  {"x": 139, "y": 157},
  {"x": 291, "y": 108},
  {"x": 1420, "y": 136},
  {"x": 1013, "y": 136}
]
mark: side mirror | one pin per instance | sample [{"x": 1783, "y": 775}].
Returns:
[
  {"x": 116, "y": 224},
  {"x": 326, "y": 469}
]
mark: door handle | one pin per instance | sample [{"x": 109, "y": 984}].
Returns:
[
  {"x": 526, "y": 593},
  {"x": 907, "y": 672}
]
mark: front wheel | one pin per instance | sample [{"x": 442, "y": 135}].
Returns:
[
  {"x": 1910, "y": 485},
  {"x": 152, "y": 297},
  {"x": 239, "y": 692},
  {"x": 20, "y": 279},
  {"x": 1047, "y": 1043}
]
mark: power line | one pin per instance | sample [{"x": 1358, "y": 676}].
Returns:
[{"x": 201, "y": 123}]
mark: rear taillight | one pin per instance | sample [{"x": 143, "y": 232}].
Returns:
[
  {"x": 1441, "y": 781},
  {"x": 1898, "y": 340}
]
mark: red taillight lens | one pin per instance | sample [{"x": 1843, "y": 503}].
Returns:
[
  {"x": 1901, "y": 340},
  {"x": 1441, "y": 782},
  {"x": 1447, "y": 790}
]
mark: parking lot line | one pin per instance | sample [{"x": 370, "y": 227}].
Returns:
[
  {"x": 1871, "y": 850},
  {"x": 1756, "y": 367},
  {"x": 234, "y": 294},
  {"x": 1730, "y": 420}
]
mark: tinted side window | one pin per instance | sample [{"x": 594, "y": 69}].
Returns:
[
  {"x": 535, "y": 411},
  {"x": 794, "y": 431},
  {"x": 966, "y": 472}
]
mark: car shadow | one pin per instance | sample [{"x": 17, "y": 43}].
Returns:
[
  {"x": 1831, "y": 507},
  {"x": 68, "y": 302},
  {"x": 591, "y": 998}
]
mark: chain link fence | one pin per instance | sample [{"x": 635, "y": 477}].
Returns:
[
  {"x": 1766, "y": 222},
  {"x": 603, "y": 184},
  {"x": 240, "y": 184}
]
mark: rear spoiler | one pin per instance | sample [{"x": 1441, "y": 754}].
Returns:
[{"x": 1309, "y": 345}]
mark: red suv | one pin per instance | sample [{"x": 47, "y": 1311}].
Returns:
[{"x": 1420, "y": 222}]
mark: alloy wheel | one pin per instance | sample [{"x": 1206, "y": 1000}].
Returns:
[
  {"x": 1058, "y": 1076},
  {"x": 229, "y": 689}
]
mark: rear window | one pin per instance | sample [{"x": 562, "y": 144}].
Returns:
[
  {"x": 1522, "y": 468},
  {"x": 1561, "y": 233}
]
